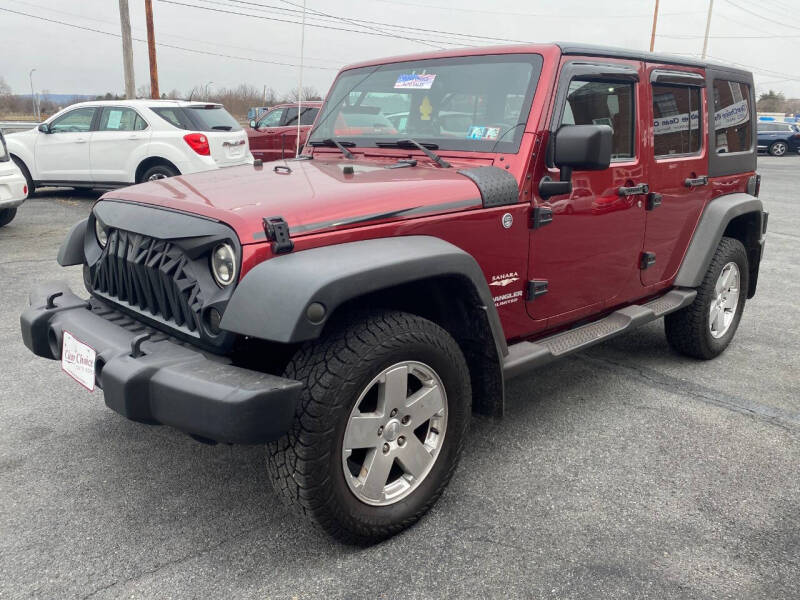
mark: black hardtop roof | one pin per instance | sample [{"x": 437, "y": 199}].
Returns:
[{"x": 613, "y": 52}]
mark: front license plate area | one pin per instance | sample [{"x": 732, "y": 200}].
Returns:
[{"x": 77, "y": 360}]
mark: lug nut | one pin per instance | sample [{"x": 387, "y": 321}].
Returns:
[
  {"x": 401, "y": 441},
  {"x": 380, "y": 430},
  {"x": 406, "y": 419},
  {"x": 393, "y": 413},
  {"x": 385, "y": 448}
]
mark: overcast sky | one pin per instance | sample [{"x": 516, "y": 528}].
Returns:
[{"x": 71, "y": 60}]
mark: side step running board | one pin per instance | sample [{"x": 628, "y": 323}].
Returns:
[{"x": 527, "y": 355}]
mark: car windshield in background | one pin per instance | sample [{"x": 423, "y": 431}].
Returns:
[
  {"x": 471, "y": 103},
  {"x": 201, "y": 117},
  {"x": 3, "y": 149}
]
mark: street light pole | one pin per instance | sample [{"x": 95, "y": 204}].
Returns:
[
  {"x": 708, "y": 27},
  {"x": 33, "y": 96},
  {"x": 653, "y": 33}
]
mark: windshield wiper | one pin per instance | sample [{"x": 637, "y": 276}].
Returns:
[
  {"x": 426, "y": 148},
  {"x": 330, "y": 142}
]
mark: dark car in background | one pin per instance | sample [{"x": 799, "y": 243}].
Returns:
[
  {"x": 778, "y": 138},
  {"x": 273, "y": 135}
]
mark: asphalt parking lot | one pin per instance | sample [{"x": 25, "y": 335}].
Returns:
[{"x": 623, "y": 472}]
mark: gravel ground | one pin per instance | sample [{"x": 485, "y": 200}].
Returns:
[{"x": 622, "y": 472}]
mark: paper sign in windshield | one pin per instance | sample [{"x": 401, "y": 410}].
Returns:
[{"x": 415, "y": 81}]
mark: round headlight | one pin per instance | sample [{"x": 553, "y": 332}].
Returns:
[
  {"x": 101, "y": 231},
  {"x": 223, "y": 265}
]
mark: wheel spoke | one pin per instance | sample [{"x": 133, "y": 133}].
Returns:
[
  {"x": 394, "y": 390},
  {"x": 362, "y": 432},
  {"x": 732, "y": 300},
  {"x": 719, "y": 320},
  {"x": 414, "y": 457},
  {"x": 377, "y": 466},
  {"x": 424, "y": 404}
]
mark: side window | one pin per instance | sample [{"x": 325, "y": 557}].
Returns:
[
  {"x": 308, "y": 116},
  {"x": 677, "y": 124},
  {"x": 121, "y": 119},
  {"x": 75, "y": 121},
  {"x": 732, "y": 110},
  {"x": 604, "y": 103},
  {"x": 272, "y": 118},
  {"x": 291, "y": 116}
]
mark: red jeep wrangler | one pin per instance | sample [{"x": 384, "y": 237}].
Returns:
[{"x": 351, "y": 306}]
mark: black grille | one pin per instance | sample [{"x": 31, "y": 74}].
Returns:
[{"x": 149, "y": 275}]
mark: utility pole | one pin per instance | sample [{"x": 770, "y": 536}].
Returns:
[
  {"x": 151, "y": 47},
  {"x": 653, "y": 33},
  {"x": 127, "y": 49},
  {"x": 300, "y": 83},
  {"x": 33, "y": 96},
  {"x": 708, "y": 26}
]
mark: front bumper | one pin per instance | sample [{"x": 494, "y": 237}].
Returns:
[{"x": 165, "y": 382}]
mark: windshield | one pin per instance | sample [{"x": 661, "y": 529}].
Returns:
[{"x": 471, "y": 103}]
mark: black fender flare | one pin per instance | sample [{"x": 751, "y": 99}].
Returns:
[
  {"x": 272, "y": 299},
  {"x": 71, "y": 251},
  {"x": 709, "y": 231}
]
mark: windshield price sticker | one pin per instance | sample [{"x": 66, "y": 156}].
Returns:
[
  {"x": 415, "y": 81},
  {"x": 77, "y": 360}
]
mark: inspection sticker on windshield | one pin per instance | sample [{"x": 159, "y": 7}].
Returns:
[
  {"x": 483, "y": 133},
  {"x": 77, "y": 360},
  {"x": 415, "y": 81}
]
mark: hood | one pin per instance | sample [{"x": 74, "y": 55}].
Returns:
[{"x": 316, "y": 195}]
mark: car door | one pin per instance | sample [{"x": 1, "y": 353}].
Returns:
[
  {"x": 265, "y": 137},
  {"x": 679, "y": 168},
  {"x": 121, "y": 135},
  {"x": 587, "y": 257},
  {"x": 62, "y": 154}
]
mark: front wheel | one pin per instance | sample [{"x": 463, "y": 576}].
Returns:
[
  {"x": 706, "y": 327},
  {"x": 778, "y": 148},
  {"x": 379, "y": 428}
]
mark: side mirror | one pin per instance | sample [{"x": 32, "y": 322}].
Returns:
[
  {"x": 583, "y": 147},
  {"x": 253, "y": 123},
  {"x": 44, "y": 128}
]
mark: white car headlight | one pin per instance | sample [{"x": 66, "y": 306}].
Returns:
[
  {"x": 101, "y": 232},
  {"x": 223, "y": 265}
]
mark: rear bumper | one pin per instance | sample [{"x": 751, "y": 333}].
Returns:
[
  {"x": 12, "y": 189},
  {"x": 168, "y": 383}
]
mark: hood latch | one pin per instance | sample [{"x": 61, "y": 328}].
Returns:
[{"x": 277, "y": 231}]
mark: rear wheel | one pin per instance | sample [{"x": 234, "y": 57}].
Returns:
[
  {"x": 7, "y": 215},
  {"x": 156, "y": 172},
  {"x": 706, "y": 327},
  {"x": 778, "y": 148},
  {"x": 379, "y": 428}
]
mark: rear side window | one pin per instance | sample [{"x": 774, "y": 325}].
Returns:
[
  {"x": 212, "y": 117},
  {"x": 604, "y": 103},
  {"x": 174, "y": 116},
  {"x": 732, "y": 110},
  {"x": 677, "y": 123},
  {"x": 121, "y": 119}
]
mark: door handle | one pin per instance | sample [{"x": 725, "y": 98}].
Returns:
[
  {"x": 696, "y": 181},
  {"x": 80, "y": 141},
  {"x": 640, "y": 188},
  {"x": 134, "y": 137}
]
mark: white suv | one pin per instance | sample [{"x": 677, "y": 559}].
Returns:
[
  {"x": 112, "y": 143},
  {"x": 13, "y": 188}
]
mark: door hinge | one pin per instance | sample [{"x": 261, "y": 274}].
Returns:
[
  {"x": 277, "y": 232},
  {"x": 653, "y": 201},
  {"x": 647, "y": 260},
  {"x": 541, "y": 216},
  {"x": 536, "y": 287}
]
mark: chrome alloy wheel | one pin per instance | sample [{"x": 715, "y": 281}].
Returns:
[
  {"x": 723, "y": 306},
  {"x": 394, "y": 434},
  {"x": 156, "y": 176},
  {"x": 779, "y": 149}
]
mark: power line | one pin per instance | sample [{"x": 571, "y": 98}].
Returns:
[
  {"x": 755, "y": 14},
  {"x": 164, "y": 45}
]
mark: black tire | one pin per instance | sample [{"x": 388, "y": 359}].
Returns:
[
  {"x": 688, "y": 330},
  {"x": 7, "y": 215},
  {"x": 306, "y": 465},
  {"x": 26, "y": 174},
  {"x": 160, "y": 171},
  {"x": 778, "y": 148}
]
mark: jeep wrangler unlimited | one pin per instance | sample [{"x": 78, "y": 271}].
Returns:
[{"x": 456, "y": 219}]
